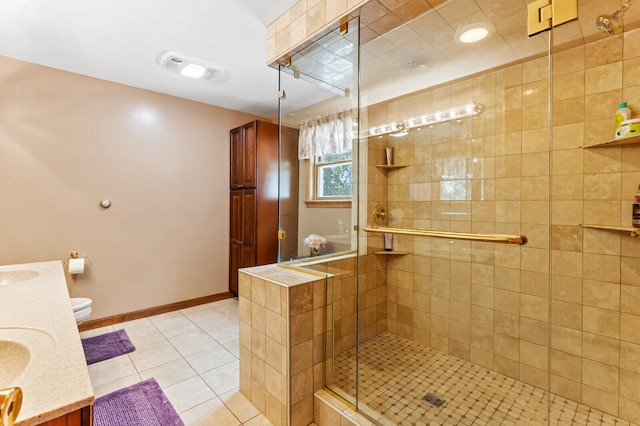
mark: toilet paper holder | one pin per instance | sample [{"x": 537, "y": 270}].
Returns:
[
  {"x": 76, "y": 264},
  {"x": 76, "y": 255}
]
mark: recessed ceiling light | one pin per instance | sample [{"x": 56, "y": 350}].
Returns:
[
  {"x": 474, "y": 32},
  {"x": 193, "y": 71},
  {"x": 188, "y": 66}
]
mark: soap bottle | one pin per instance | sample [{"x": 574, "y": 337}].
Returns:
[
  {"x": 623, "y": 114},
  {"x": 635, "y": 218}
]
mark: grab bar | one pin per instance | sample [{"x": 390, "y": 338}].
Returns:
[{"x": 487, "y": 238}]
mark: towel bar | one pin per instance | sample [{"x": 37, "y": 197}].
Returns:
[{"x": 487, "y": 238}]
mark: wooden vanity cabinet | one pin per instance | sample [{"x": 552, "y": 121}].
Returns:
[
  {"x": 254, "y": 194},
  {"x": 81, "y": 417}
]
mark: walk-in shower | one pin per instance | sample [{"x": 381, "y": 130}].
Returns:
[{"x": 524, "y": 309}]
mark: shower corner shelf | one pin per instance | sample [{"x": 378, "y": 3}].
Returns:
[
  {"x": 615, "y": 142},
  {"x": 635, "y": 232},
  {"x": 390, "y": 166},
  {"x": 391, "y": 253}
]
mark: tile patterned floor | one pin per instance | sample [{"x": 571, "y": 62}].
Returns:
[
  {"x": 193, "y": 354},
  {"x": 398, "y": 373}
]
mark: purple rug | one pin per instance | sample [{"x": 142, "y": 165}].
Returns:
[
  {"x": 106, "y": 346},
  {"x": 143, "y": 404}
]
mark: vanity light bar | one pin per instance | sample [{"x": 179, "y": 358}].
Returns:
[
  {"x": 455, "y": 113},
  {"x": 383, "y": 130}
]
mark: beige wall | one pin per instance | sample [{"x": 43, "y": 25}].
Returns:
[
  {"x": 490, "y": 304},
  {"x": 67, "y": 141}
]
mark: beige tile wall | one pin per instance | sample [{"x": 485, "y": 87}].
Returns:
[
  {"x": 353, "y": 312},
  {"x": 282, "y": 317},
  {"x": 300, "y": 23},
  {"x": 490, "y": 304}
]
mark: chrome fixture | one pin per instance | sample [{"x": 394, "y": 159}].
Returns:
[
  {"x": 612, "y": 24},
  {"x": 10, "y": 403}
]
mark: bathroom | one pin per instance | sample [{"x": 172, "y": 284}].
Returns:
[{"x": 49, "y": 213}]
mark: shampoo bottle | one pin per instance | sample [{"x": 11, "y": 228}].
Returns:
[{"x": 623, "y": 114}]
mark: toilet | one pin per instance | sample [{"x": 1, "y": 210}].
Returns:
[{"x": 81, "y": 308}]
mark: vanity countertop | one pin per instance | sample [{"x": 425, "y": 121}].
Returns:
[{"x": 35, "y": 311}]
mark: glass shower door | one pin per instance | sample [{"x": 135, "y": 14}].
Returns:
[
  {"x": 466, "y": 336},
  {"x": 319, "y": 98}
]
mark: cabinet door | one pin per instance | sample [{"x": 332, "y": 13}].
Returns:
[
  {"x": 243, "y": 156},
  {"x": 248, "y": 216},
  {"x": 242, "y": 250},
  {"x": 237, "y": 154},
  {"x": 243, "y": 216},
  {"x": 249, "y": 153},
  {"x": 240, "y": 256}
]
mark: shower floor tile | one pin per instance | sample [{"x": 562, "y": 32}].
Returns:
[{"x": 398, "y": 373}]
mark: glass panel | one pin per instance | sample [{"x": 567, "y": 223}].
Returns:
[
  {"x": 321, "y": 104},
  {"x": 593, "y": 296},
  {"x": 465, "y": 336}
]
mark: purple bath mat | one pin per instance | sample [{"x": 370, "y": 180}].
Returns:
[
  {"x": 143, "y": 404},
  {"x": 106, "y": 346}
]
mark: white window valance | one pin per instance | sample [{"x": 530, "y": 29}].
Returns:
[{"x": 329, "y": 133}]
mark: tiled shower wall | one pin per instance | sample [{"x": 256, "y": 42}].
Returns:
[
  {"x": 490, "y": 303},
  {"x": 302, "y": 21},
  {"x": 344, "y": 299}
]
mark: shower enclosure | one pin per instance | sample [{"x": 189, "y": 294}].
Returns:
[{"x": 510, "y": 292}]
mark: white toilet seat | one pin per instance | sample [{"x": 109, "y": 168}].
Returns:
[
  {"x": 82, "y": 315},
  {"x": 80, "y": 303},
  {"x": 81, "y": 308}
]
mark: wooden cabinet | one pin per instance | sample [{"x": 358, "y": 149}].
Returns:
[
  {"x": 254, "y": 187},
  {"x": 81, "y": 417},
  {"x": 243, "y": 154},
  {"x": 242, "y": 246}
]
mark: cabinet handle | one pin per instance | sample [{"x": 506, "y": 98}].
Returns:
[
  {"x": 240, "y": 243},
  {"x": 240, "y": 186}
]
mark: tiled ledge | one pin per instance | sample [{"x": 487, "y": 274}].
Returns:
[{"x": 285, "y": 277}]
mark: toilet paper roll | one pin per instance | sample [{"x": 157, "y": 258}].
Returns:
[{"x": 76, "y": 266}]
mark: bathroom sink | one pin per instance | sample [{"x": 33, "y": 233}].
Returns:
[
  {"x": 16, "y": 276},
  {"x": 14, "y": 358},
  {"x": 21, "y": 350}
]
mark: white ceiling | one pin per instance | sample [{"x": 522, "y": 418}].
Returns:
[{"x": 121, "y": 40}]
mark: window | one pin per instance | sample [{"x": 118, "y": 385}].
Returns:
[{"x": 329, "y": 180}]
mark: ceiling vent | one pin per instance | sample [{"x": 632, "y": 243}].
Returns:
[{"x": 188, "y": 66}]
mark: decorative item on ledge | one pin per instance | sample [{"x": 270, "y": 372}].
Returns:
[{"x": 315, "y": 242}]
